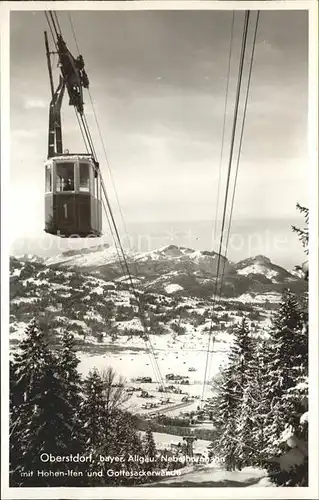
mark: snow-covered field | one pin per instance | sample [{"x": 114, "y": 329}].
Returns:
[
  {"x": 186, "y": 356},
  {"x": 212, "y": 476},
  {"x": 208, "y": 473},
  {"x": 164, "y": 441},
  {"x": 172, "y": 356}
]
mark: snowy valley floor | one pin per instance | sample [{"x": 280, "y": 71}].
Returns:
[{"x": 215, "y": 477}]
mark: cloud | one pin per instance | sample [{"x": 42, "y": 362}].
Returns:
[
  {"x": 158, "y": 84},
  {"x": 35, "y": 104},
  {"x": 23, "y": 134}
]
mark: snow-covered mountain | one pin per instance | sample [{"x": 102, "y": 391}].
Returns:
[
  {"x": 30, "y": 257},
  {"x": 174, "y": 269},
  {"x": 171, "y": 271},
  {"x": 261, "y": 265},
  {"x": 91, "y": 292},
  {"x": 96, "y": 308},
  {"x": 163, "y": 260}
]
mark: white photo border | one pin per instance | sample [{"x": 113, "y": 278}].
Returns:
[{"x": 141, "y": 492}]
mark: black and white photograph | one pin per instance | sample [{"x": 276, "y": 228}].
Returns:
[{"x": 159, "y": 255}]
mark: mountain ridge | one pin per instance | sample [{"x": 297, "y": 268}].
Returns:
[
  {"x": 100, "y": 299},
  {"x": 188, "y": 270}
]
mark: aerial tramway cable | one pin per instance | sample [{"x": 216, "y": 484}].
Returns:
[
  {"x": 240, "y": 143},
  {"x": 117, "y": 240},
  {"x": 238, "y": 156},
  {"x": 100, "y": 133},
  {"x": 234, "y": 127},
  {"x": 51, "y": 29},
  {"x": 101, "y": 140},
  {"x": 224, "y": 126},
  {"x": 141, "y": 313},
  {"x": 89, "y": 145},
  {"x": 82, "y": 132},
  {"x": 103, "y": 144}
]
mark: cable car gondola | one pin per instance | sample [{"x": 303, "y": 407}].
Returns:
[{"x": 73, "y": 206}]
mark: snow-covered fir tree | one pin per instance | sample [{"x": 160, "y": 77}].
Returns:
[
  {"x": 242, "y": 356},
  {"x": 287, "y": 367},
  {"x": 72, "y": 384},
  {"x": 245, "y": 426},
  {"x": 68, "y": 361},
  {"x": 92, "y": 418},
  {"x": 123, "y": 440},
  {"x": 28, "y": 370},
  {"x": 303, "y": 233},
  {"x": 259, "y": 402},
  {"x": 226, "y": 404},
  {"x": 41, "y": 412},
  {"x": 235, "y": 400},
  {"x": 52, "y": 429},
  {"x": 150, "y": 449}
]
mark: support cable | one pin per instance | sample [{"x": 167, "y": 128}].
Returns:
[
  {"x": 111, "y": 221},
  {"x": 239, "y": 155},
  {"x": 128, "y": 273},
  {"x": 100, "y": 134},
  {"x": 51, "y": 29},
  {"x": 238, "y": 91},
  {"x": 54, "y": 24},
  {"x": 241, "y": 141},
  {"x": 82, "y": 132},
  {"x": 57, "y": 22},
  {"x": 224, "y": 125}
]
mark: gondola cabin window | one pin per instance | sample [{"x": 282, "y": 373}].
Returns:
[
  {"x": 48, "y": 179},
  {"x": 97, "y": 187},
  {"x": 84, "y": 178},
  {"x": 64, "y": 176}
]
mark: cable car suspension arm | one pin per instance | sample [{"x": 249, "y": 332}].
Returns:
[{"x": 73, "y": 77}]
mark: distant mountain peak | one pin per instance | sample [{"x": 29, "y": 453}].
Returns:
[
  {"x": 85, "y": 250},
  {"x": 29, "y": 257},
  {"x": 262, "y": 258},
  {"x": 262, "y": 265}
]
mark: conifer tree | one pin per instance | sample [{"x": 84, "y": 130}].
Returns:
[
  {"x": 16, "y": 426},
  {"x": 303, "y": 234},
  {"x": 225, "y": 419},
  {"x": 68, "y": 362},
  {"x": 72, "y": 384},
  {"x": 241, "y": 356},
  {"x": 245, "y": 426},
  {"x": 51, "y": 429},
  {"x": 150, "y": 449},
  {"x": 92, "y": 417},
  {"x": 125, "y": 442},
  {"x": 235, "y": 401},
  {"x": 288, "y": 364},
  {"x": 28, "y": 371},
  {"x": 288, "y": 386},
  {"x": 259, "y": 402},
  {"x": 41, "y": 413}
]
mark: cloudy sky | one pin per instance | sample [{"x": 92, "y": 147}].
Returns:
[{"x": 158, "y": 81}]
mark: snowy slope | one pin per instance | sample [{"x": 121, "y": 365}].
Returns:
[
  {"x": 173, "y": 288},
  {"x": 30, "y": 257},
  {"x": 165, "y": 259},
  {"x": 173, "y": 269},
  {"x": 212, "y": 476},
  {"x": 93, "y": 258},
  {"x": 261, "y": 265}
]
